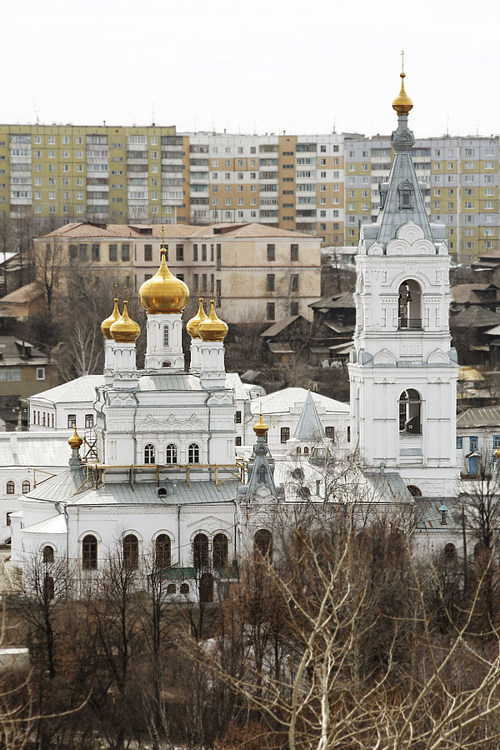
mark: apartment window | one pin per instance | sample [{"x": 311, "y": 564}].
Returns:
[
  {"x": 89, "y": 421},
  {"x": 270, "y": 282},
  {"x": 294, "y": 308},
  {"x": 294, "y": 282},
  {"x": 113, "y": 252},
  {"x": 40, "y": 373},
  {"x": 271, "y": 311},
  {"x": 459, "y": 443},
  {"x": 284, "y": 434},
  {"x": 125, "y": 252},
  {"x": 294, "y": 252},
  {"x": 71, "y": 420},
  {"x": 473, "y": 443},
  {"x": 271, "y": 252},
  {"x": 179, "y": 252}
]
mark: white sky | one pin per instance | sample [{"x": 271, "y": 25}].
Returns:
[{"x": 256, "y": 66}]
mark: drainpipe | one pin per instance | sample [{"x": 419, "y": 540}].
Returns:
[{"x": 179, "y": 535}]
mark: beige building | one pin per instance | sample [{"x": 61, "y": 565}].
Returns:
[{"x": 257, "y": 272}]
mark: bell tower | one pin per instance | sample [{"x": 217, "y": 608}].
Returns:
[{"x": 403, "y": 370}]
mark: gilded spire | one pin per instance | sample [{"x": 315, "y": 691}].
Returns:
[
  {"x": 108, "y": 322},
  {"x": 75, "y": 441},
  {"x": 260, "y": 428},
  {"x": 163, "y": 293},
  {"x": 125, "y": 330},
  {"x": 402, "y": 103},
  {"x": 213, "y": 328},
  {"x": 193, "y": 324}
]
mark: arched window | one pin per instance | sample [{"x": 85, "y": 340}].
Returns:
[
  {"x": 26, "y": 487},
  {"x": 171, "y": 588},
  {"x": 306, "y": 450},
  {"x": 193, "y": 454},
  {"x": 220, "y": 550},
  {"x": 89, "y": 552},
  {"x": 48, "y": 588},
  {"x": 165, "y": 335},
  {"x": 206, "y": 588},
  {"x": 409, "y": 312},
  {"x": 410, "y": 412},
  {"x": 48, "y": 554},
  {"x": 131, "y": 552},
  {"x": 10, "y": 487},
  {"x": 405, "y": 195},
  {"x": 184, "y": 588},
  {"x": 450, "y": 552},
  {"x": 163, "y": 551},
  {"x": 261, "y": 475},
  {"x": 162, "y": 492},
  {"x": 263, "y": 544},
  {"x": 171, "y": 454},
  {"x": 200, "y": 551},
  {"x": 414, "y": 490},
  {"x": 149, "y": 454}
]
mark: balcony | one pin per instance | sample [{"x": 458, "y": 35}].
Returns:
[{"x": 407, "y": 323}]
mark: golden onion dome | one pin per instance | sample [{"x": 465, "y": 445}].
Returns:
[
  {"x": 163, "y": 293},
  {"x": 260, "y": 428},
  {"x": 402, "y": 103},
  {"x": 213, "y": 328},
  {"x": 75, "y": 441},
  {"x": 192, "y": 325},
  {"x": 125, "y": 330},
  {"x": 106, "y": 324}
]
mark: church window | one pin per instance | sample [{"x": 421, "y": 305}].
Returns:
[
  {"x": 330, "y": 432},
  {"x": 220, "y": 550},
  {"x": 10, "y": 488},
  {"x": 409, "y": 312},
  {"x": 171, "y": 588},
  {"x": 261, "y": 475},
  {"x": 163, "y": 551},
  {"x": 405, "y": 195},
  {"x": 165, "y": 335},
  {"x": 409, "y": 412},
  {"x": 130, "y": 552},
  {"x": 25, "y": 487},
  {"x": 237, "y": 417},
  {"x": 184, "y": 588},
  {"x": 89, "y": 552},
  {"x": 306, "y": 450},
  {"x": 71, "y": 420},
  {"x": 206, "y": 588},
  {"x": 200, "y": 551},
  {"x": 450, "y": 552},
  {"x": 48, "y": 554},
  {"x": 263, "y": 544},
  {"x": 89, "y": 421},
  {"x": 284, "y": 434},
  {"x": 149, "y": 454},
  {"x": 193, "y": 454},
  {"x": 171, "y": 454},
  {"x": 237, "y": 440}
]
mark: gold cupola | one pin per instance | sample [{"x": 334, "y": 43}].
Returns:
[
  {"x": 192, "y": 325},
  {"x": 75, "y": 441},
  {"x": 106, "y": 324},
  {"x": 213, "y": 328},
  {"x": 163, "y": 293},
  {"x": 402, "y": 103},
  {"x": 261, "y": 428},
  {"x": 125, "y": 330}
]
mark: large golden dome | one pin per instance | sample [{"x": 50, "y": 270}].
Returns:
[
  {"x": 192, "y": 325},
  {"x": 402, "y": 103},
  {"x": 213, "y": 328},
  {"x": 125, "y": 330},
  {"x": 106, "y": 324},
  {"x": 163, "y": 293}
]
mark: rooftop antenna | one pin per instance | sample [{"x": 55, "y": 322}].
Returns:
[
  {"x": 153, "y": 114},
  {"x": 36, "y": 114}
]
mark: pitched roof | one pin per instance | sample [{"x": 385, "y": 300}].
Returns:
[
  {"x": 80, "y": 389},
  {"x": 483, "y": 416},
  {"x": 474, "y": 316},
  {"x": 290, "y": 400},
  {"x": 345, "y": 300},
  {"x": 467, "y": 293},
  {"x": 181, "y": 231},
  {"x": 25, "y": 293},
  {"x": 281, "y": 325}
]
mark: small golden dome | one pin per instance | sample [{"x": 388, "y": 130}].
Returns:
[
  {"x": 260, "y": 428},
  {"x": 192, "y": 325},
  {"x": 75, "y": 441},
  {"x": 106, "y": 324},
  {"x": 125, "y": 330},
  {"x": 213, "y": 328},
  {"x": 402, "y": 103},
  {"x": 163, "y": 293}
]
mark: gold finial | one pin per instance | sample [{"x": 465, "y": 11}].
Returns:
[
  {"x": 260, "y": 428},
  {"x": 75, "y": 441},
  {"x": 213, "y": 328},
  {"x": 402, "y": 103},
  {"x": 108, "y": 322},
  {"x": 193, "y": 324},
  {"x": 162, "y": 235}
]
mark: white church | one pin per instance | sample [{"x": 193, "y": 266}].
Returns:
[{"x": 166, "y": 479}]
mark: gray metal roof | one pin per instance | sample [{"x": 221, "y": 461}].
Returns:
[
  {"x": 309, "y": 427},
  {"x": 34, "y": 449},
  {"x": 80, "y": 389},
  {"x": 146, "y": 493},
  {"x": 483, "y": 416}
]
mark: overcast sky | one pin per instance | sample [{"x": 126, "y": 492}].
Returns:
[{"x": 258, "y": 66}]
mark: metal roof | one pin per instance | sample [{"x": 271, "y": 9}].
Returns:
[{"x": 483, "y": 416}]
